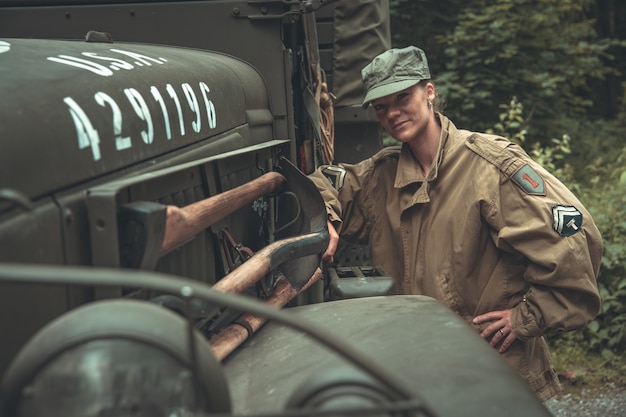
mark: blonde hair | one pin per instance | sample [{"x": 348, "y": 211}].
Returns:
[{"x": 438, "y": 103}]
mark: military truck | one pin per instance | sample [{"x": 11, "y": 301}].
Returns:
[{"x": 160, "y": 243}]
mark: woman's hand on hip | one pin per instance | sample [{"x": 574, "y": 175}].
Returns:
[{"x": 499, "y": 331}]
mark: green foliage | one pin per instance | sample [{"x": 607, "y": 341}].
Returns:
[
  {"x": 577, "y": 366},
  {"x": 554, "y": 156},
  {"x": 543, "y": 51},
  {"x": 607, "y": 203},
  {"x": 511, "y": 122}
]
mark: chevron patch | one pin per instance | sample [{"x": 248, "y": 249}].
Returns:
[
  {"x": 336, "y": 175},
  {"x": 566, "y": 220}
]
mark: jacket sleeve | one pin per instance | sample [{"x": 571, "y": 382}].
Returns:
[
  {"x": 342, "y": 188},
  {"x": 536, "y": 216}
]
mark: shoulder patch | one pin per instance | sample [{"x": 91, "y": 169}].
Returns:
[
  {"x": 529, "y": 180},
  {"x": 508, "y": 158},
  {"x": 566, "y": 220},
  {"x": 336, "y": 175}
]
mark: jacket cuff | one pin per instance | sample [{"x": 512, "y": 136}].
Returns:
[{"x": 524, "y": 322}]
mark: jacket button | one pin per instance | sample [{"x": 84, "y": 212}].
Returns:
[{"x": 471, "y": 139}]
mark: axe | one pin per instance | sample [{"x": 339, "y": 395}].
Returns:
[{"x": 149, "y": 230}]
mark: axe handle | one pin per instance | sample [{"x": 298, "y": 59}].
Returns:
[
  {"x": 184, "y": 223},
  {"x": 256, "y": 267},
  {"x": 226, "y": 341}
]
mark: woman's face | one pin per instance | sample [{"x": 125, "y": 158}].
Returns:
[{"x": 406, "y": 114}]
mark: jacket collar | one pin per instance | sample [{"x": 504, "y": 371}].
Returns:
[{"x": 409, "y": 170}]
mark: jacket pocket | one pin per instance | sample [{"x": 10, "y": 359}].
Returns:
[{"x": 447, "y": 294}]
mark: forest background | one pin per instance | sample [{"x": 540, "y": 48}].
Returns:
[{"x": 551, "y": 76}]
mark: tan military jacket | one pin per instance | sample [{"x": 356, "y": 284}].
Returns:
[{"x": 489, "y": 229}]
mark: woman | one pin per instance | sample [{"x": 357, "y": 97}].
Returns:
[{"x": 466, "y": 218}]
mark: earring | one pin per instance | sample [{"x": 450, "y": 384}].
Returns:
[{"x": 430, "y": 105}]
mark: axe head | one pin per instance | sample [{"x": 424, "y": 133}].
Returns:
[
  {"x": 141, "y": 229},
  {"x": 301, "y": 211}
]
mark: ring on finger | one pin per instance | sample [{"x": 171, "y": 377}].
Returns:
[{"x": 501, "y": 332}]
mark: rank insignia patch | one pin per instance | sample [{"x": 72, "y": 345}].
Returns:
[
  {"x": 529, "y": 180},
  {"x": 567, "y": 220},
  {"x": 336, "y": 175}
]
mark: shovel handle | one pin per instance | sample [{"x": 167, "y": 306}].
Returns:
[
  {"x": 265, "y": 260},
  {"x": 184, "y": 223},
  {"x": 227, "y": 340}
]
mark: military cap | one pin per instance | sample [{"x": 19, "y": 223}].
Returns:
[{"x": 393, "y": 71}]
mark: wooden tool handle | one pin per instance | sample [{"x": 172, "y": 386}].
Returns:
[
  {"x": 184, "y": 223},
  {"x": 227, "y": 340}
]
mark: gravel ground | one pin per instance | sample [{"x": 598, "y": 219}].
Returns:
[{"x": 608, "y": 401}]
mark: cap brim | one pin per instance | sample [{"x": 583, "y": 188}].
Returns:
[{"x": 387, "y": 89}]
